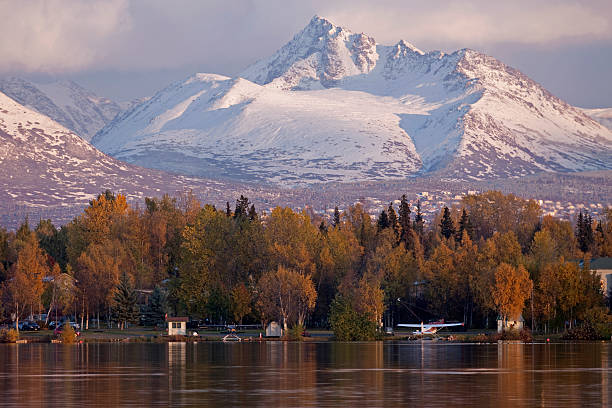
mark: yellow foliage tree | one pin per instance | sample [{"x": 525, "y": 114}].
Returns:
[
  {"x": 286, "y": 294},
  {"x": 511, "y": 289}
]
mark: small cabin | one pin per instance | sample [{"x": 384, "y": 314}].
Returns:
[
  {"x": 510, "y": 324},
  {"x": 177, "y": 326},
  {"x": 273, "y": 329}
]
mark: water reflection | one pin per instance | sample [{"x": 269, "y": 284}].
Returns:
[{"x": 309, "y": 374}]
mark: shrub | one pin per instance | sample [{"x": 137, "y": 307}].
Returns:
[
  {"x": 68, "y": 334},
  {"x": 295, "y": 333},
  {"x": 583, "y": 332},
  {"x": 9, "y": 335},
  {"x": 348, "y": 325}
]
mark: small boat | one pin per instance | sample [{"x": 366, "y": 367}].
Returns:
[{"x": 231, "y": 337}]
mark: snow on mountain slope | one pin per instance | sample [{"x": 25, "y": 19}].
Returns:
[
  {"x": 332, "y": 105},
  {"x": 43, "y": 164},
  {"x": 66, "y": 102},
  {"x": 222, "y": 127},
  {"x": 601, "y": 115}
]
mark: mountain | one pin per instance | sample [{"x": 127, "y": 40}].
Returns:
[
  {"x": 332, "y": 105},
  {"x": 66, "y": 102},
  {"x": 601, "y": 115},
  {"x": 47, "y": 169}
]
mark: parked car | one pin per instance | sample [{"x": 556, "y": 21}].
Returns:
[
  {"x": 55, "y": 325},
  {"x": 28, "y": 325}
]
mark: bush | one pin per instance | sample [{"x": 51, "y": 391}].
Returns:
[
  {"x": 295, "y": 333},
  {"x": 68, "y": 334},
  {"x": 348, "y": 325},
  {"x": 583, "y": 332},
  {"x": 9, "y": 335}
]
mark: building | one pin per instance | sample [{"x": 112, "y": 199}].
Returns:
[
  {"x": 603, "y": 268},
  {"x": 510, "y": 324},
  {"x": 177, "y": 326},
  {"x": 274, "y": 330}
]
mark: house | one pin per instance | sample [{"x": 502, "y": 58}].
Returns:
[
  {"x": 510, "y": 324},
  {"x": 274, "y": 330},
  {"x": 177, "y": 326},
  {"x": 603, "y": 268}
]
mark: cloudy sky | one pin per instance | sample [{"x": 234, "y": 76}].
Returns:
[{"x": 125, "y": 49}]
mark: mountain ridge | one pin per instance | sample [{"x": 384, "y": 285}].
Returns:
[
  {"x": 66, "y": 102},
  {"x": 332, "y": 105}
]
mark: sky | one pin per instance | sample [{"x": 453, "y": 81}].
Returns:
[{"x": 125, "y": 49}]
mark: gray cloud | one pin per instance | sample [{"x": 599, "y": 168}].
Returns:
[
  {"x": 98, "y": 40},
  {"x": 70, "y": 35},
  {"x": 59, "y": 35}
]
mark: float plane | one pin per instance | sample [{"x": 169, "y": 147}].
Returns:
[{"x": 429, "y": 328}]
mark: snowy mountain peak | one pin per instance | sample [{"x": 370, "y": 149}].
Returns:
[
  {"x": 317, "y": 57},
  {"x": 66, "y": 102},
  {"x": 334, "y": 105}
]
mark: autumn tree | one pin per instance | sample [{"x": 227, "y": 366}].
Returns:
[
  {"x": 511, "y": 289},
  {"x": 287, "y": 295},
  {"x": 241, "y": 302},
  {"x": 25, "y": 284},
  {"x": 97, "y": 274}
]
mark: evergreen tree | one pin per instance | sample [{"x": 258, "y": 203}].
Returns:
[
  {"x": 447, "y": 227},
  {"x": 252, "y": 213},
  {"x": 393, "y": 224},
  {"x": 584, "y": 232},
  {"x": 125, "y": 302},
  {"x": 155, "y": 311},
  {"x": 228, "y": 210},
  {"x": 336, "y": 220},
  {"x": 242, "y": 207},
  {"x": 323, "y": 227},
  {"x": 404, "y": 221},
  {"x": 464, "y": 225},
  {"x": 419, "y": 222},
  {"x": 383, "y": 220}
]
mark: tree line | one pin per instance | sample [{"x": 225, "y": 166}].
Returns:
[{"x": 494, "y": 255}]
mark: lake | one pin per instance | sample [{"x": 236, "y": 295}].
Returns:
[{"x": 280, "y": 374}]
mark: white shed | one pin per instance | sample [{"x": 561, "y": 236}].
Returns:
[
  {"x": 177, "y": 326},
  {"x": 510, "y": 324},
  {"x": 274, "y": 330}
]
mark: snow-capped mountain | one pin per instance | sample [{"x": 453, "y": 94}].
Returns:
[
  {"x": 44, "y": 165},
  {"x": 66, "y": 102},
  {"x": 601, "y": 115},
  {"x": 332, "y": 105}
]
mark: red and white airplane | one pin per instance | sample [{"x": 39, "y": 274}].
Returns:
[{"x": 429, "y": 328}]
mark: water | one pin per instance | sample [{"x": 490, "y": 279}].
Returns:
[{"x": 278, "y": 374}]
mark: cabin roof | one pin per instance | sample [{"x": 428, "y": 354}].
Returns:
[
  {"x": 177, "y": 319},
  {"x": 601, "y": 263}
]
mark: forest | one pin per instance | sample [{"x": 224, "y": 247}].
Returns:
[{"x": 493, "y": 256}]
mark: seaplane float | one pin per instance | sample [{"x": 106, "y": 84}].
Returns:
[{"x": 428, "y": 328}]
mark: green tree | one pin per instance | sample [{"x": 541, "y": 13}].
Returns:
[
  {"x": 155, "y": 311},
  {"x": 447, "y": 227},
  {"x": 349, "y": 325},
  {"x": 124, "y": 302},
  {"x": 336, "y": 219},
  {"x": 405, "y": 222}
]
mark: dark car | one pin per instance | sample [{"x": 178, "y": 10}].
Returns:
[
  {"x": 33, "y": 326},
  {"x": 28, "y": 325}
]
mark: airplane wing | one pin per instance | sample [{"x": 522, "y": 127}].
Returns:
[{"x": 426, "y": 325}]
